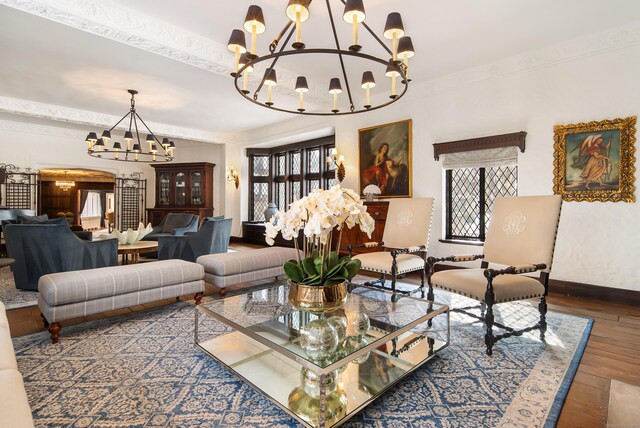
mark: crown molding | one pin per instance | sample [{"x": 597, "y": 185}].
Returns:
[
  {"x": 33, "y": 128},
  {"x": 119, "y": 23},
  {"x": 94, "y": 119}
]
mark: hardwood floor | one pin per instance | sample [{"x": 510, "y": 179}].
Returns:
[{"x": 611, "y": 352}]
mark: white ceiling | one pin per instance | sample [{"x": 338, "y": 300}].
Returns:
[{"x": 58, "y": 54}]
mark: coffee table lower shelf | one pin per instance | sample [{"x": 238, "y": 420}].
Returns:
[{"x": 358, "y": 384}]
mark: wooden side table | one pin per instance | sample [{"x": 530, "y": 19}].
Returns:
[{"x": 135, "y": 250}]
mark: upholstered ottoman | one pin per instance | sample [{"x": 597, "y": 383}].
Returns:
[
  {"x": 80, "y": 293},
  {"x": 226, "y": 269}
]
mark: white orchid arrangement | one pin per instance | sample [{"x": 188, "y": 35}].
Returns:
[{"x": 319, "y": 215}]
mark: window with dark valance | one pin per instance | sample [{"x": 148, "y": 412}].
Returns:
[{"x": 476, "y": 172}]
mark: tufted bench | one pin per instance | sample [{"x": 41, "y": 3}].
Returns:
[
  {"x": 226, "y": 269},
  {"x": 80, "y": 293}
]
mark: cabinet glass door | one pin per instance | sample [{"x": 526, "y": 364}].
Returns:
[
  {"x": 164, "y": 180},
  {"x": 196, "y": 188},
  {"x": 181, "y": 188}
]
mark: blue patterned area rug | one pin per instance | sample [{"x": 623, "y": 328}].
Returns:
[
  {"x": 141, "y": 370},
  {"x": 11, "y": 296}
]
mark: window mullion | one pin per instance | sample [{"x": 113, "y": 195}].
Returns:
[{"x": 483, "y": 204}]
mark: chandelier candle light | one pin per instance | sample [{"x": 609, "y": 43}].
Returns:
[
  {"x": 298, "y": 12},
  {"x": 65, "y": 184},
  {"x": 134, "y": 150}
]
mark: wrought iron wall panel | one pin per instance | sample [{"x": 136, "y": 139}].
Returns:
[
  {"x": 19, "y": 187},
  {"x": 131, "y": 197}
]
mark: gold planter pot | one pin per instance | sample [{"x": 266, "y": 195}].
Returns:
[{"x": 317, "y": 298}]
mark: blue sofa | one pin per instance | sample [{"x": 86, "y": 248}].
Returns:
[
  {"x": 40, "y": 249},
  {"x": 174, "y": 224},
  {"x": 213, "y": 237}
]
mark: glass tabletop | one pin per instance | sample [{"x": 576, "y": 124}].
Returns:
[{"x": 323, "y": 341}]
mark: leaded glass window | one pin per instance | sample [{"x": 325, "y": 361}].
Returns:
[
  {"x": 282, "y": 175},
  {"x": 470, "y": 194}
]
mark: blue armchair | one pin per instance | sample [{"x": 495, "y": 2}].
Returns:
[
  {"x": 213, "y": 237},
  {"x": 174, "y": 224},
  {"x": 40, "y": 249}
]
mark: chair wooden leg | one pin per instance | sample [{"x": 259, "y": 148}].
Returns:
[
  {"x": 54, "y": 330},
  {"x": 542, "y": 307},
  {"x": 422, "y": 283},
  {"x": 489, "y": 339}
]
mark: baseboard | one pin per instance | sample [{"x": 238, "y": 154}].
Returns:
[
  {"x": 577, "y": 289},
  {"x": 237, "y": 239}
]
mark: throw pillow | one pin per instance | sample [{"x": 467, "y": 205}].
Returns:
[{"x": 28, "y": 219}]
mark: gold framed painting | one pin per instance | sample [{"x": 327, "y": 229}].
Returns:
[
  {"x": 595, "y": 161},
  {"x": 385, "y": 158}
]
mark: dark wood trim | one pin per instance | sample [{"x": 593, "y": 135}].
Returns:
[
  {"x": 597, "y": 292},
  {"x": 482, "y": 143},
  {"x": 577, "y": 289},
  {"x": 237, "y": 239},
  {"x": 323, "y": 141},
  {"x": 461, "y": 242}
]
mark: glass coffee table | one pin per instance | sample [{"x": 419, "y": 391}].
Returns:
[{"x": 321, "y": 368}]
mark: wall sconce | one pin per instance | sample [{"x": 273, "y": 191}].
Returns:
[
  {"x": 338, "y": 161},
  {"x": 232, "y": 175}
]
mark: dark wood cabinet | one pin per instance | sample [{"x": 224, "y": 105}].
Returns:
[
  {"x": 377, "y": 210},
  {"x": 183, "y": 187}
]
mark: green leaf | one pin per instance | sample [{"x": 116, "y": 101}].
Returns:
[
  {"x": 313, "y": 280},
  {"x": 314, "y": 254},
  {"x": 334, "y": 281},
  {"x": 308, "y": 266},
  {"x": 353, "y": 267},
  {"x": 293, "y": 271},
  {"x": 333, "y": 259}
]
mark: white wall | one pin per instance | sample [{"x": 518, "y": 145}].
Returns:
[{"x": 598, "y": 243}]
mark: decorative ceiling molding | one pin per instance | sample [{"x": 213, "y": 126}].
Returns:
[
  {"x": 33, "y": 128},
  {"x": 94, "y": 119},
  {"x": 119, "y": 23},
  {"x": 571, "y": 50}
]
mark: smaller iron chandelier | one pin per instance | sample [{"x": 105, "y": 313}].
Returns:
[
  {"x": 396, "y": 67},
  {"x": 134, "y": 150}
]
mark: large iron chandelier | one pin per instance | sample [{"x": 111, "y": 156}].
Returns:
[
  {"x": 134, "y": 150},
  {"x": 396, "y": 67}
]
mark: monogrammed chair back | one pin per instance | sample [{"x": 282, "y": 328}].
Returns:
[
  {"x": 523, "y": 230},
  {"x": 408, "y": 223}
]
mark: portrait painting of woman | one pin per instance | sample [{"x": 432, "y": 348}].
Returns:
[{"x": 385, "y": 158}]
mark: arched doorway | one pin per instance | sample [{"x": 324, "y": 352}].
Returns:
[{"x": 84, "y": 197}]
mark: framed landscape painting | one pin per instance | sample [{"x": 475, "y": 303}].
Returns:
[
  {"x": 595, "y": 161},
  {"x": 385, "y": 159}
]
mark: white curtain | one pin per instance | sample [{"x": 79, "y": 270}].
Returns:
[
  {"x": 93, "y": 207},
  {"x": 503, "y": 156}
]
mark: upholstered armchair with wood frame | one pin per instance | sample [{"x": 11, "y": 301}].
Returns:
[
  {"x": 521, "y": 239},
  {"x": 404, "y": 243}
]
